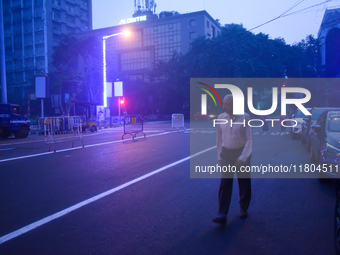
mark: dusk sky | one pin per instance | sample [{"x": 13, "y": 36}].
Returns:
[{"x": 302, "y": 20}]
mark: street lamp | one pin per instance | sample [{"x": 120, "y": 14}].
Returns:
[{"x": 125, "y": 33}]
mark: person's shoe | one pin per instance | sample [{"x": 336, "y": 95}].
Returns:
[
  {"x": 243, "y": 214},
  {"x": 220, "y": 219}
]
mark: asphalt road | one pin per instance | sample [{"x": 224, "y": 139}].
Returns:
[{"x": 124, "y": 197}]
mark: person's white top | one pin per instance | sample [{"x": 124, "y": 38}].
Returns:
[{"x": 240, "y": 135}]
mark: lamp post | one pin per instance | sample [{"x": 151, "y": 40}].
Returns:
[
  {"x": 126, "y": 33},
  {"x": 3, "y": 60}
]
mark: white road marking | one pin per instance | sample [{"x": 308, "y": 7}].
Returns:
[
  {"x": 59, "y": 214},
  {"x": 35, "y": 141},
  {"x": 7, "y": 149},
  {"x": 99, "y": 132},
  {"x": 27, "y": 156}
]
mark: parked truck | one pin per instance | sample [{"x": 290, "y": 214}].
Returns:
[{"x": 13, "y": 121}]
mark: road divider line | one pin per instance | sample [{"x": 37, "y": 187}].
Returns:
[
  {"x": 27, "y": 156},
  {"x": 80, "y": 147},
  {"x": 70, "y": 209},
  {"x": 8, "y": 149},
  {"x": 34, "y": 141}
]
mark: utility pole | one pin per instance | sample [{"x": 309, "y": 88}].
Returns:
[{"x": 3, "y": 59}]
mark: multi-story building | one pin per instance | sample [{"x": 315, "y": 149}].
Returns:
[
  {"x": 329, "y": 38},
  {"x": 154, "y": 38},
  {"x": 32, "y": 28}
]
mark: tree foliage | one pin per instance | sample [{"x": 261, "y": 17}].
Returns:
[
  {"x": 236, "y": 53},
  {"x": 77, "y": 66}
]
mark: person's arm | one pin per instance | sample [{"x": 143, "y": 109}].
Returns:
[
  {"x": 219, "y": 142},
  {"x": 248, "y": 147}
]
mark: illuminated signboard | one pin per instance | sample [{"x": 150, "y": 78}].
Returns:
[{"x": 132, "y": 20}]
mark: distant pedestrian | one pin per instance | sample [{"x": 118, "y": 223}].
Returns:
[{"x": 234, "y": 148}]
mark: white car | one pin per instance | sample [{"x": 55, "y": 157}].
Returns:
[{"x": 298, "y": 117}]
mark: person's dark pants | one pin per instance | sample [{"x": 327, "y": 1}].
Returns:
[{"x": 226, "y": 185}]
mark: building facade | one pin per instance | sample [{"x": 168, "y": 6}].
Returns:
[
  {"x": 32, "y": 28},
  {"x": 329, "y": 39},
  {"x": 154, "y": 39}
]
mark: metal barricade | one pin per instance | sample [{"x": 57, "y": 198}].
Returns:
[
  {"x": 40, "y": 124},
  {"x": 178, "y": 121},
  {"x": 62, "y": 129},
  {"x": 133, "y": 124}
]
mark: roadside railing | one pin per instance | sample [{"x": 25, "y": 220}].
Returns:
[
  {"x": 62, "y": 129},
  {"x": 178, "y": 121},
  {"x": 133, "y": 124}
]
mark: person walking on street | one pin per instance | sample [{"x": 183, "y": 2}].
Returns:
[{"x": 234, "y": 148}]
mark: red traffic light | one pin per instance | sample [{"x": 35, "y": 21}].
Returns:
[{"x": 122, "y": 101}]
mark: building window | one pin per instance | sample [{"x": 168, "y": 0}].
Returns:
[
  {"x": 28, "y": 39},
  {"x": 56, "y": 15},
  {"x": 28, "y": 54},
  {"x": 39, "y": 25},
  {"x": 28, "y": 3},
  {"x": 135, "y": 60},
  {"x": 70, "y": 9},
  {"x": 56, "y": 38},
  {"x": 70, "y": 19},
  {"x": 27, "y": 27},
  {"x": 192, "y": 22},
  {"x": 40, "y": 63},
  {"x": 83, "y": 14},
  {"x": 56, "y": 3},
  {"x": 70, "y": 30},
  {"x": 170, "y": 26},
  {"x": 40, "y": 50},
  {"x": 39, "y": 37},
  {"x": 208, "y": 24},
  {"x": 193, "y": 35},
  {"x": 16, "y": 17},
  {"x": 37, "y": 2},
  {"x": 84, "y": 24},
  {"x": 38, "y": 13},
  {"x": 56, "y": 26}
]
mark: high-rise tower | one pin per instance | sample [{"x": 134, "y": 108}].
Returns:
[{"x": 32, "y": 28}]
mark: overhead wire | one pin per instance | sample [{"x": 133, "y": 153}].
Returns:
[
  {"x": 284, "y": 14},
  {"x": 312, "y": 6}
]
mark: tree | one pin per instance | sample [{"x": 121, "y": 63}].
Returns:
[
  {"x": 73, "y": 75},
  {"x": 236, "y": 53}
]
